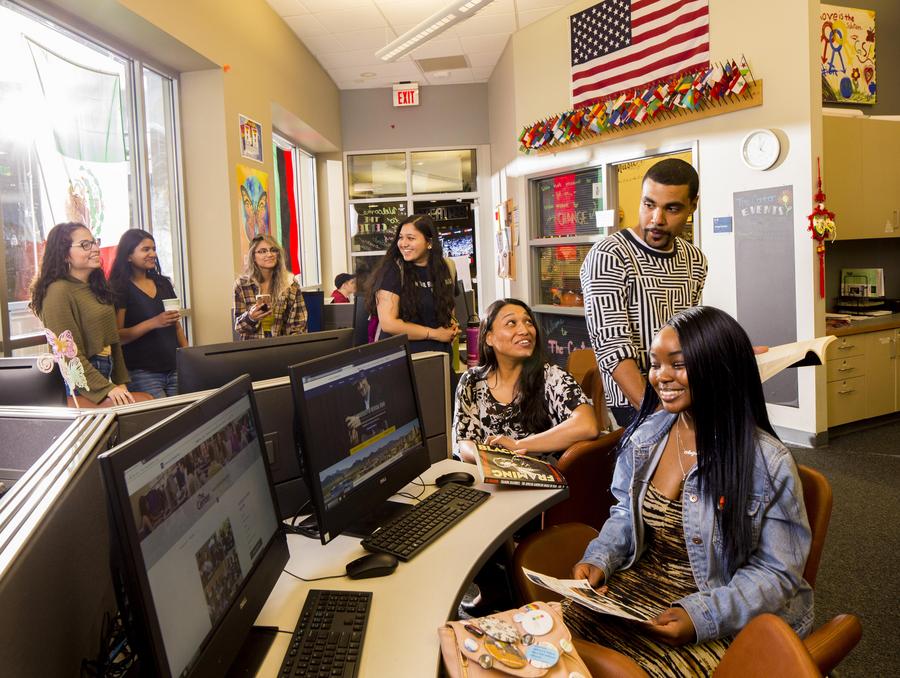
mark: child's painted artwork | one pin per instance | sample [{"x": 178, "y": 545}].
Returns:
[
  {"x": 253, "y": 187},
  {"x": 847, "y": 42}
]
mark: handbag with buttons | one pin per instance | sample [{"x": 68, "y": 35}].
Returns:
[{"x": 531, "y": 641}]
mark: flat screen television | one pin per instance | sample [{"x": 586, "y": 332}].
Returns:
[
  {"x": 360, "y": 434},
  {"x": 205, "y": 367},
  {"x": 196, "y": 541}
]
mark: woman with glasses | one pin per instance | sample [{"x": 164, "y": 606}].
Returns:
[
  {"x": 149, "y": 333},
  {"x": 70, "y": 293},
  {"x": 267, "y": 299}
]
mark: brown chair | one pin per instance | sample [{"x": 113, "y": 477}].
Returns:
[
  {"x": 767, "y": 647},
  {"x": 582, "y": 365},
  {"x": 555, "y": 550},
  {"x": 588, "y": 466},
  {"x": 579, "y": 362}
]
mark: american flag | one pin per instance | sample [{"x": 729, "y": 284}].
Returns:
[{"x": 624, "y": 44}]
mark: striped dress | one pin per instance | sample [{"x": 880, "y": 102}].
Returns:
[{"x": 661, "y": 576}]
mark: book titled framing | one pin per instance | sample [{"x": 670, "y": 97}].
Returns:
[{"x": 499, "y": 466}]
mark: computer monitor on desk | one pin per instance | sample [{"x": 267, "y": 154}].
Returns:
[
  {"x": 196, "y": 535},
  {"x": 211, "y": 366},
  {"x": 360, "y": 434}
]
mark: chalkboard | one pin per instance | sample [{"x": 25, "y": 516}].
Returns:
[
  {"x": 375, "y": 224},
  {"x": 764, "y": 276},
  {"x": 562, "y": 334},
  {"x": 568, "y": 203}
]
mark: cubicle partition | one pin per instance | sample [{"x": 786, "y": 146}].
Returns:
[{"x": 55, "y": 582}]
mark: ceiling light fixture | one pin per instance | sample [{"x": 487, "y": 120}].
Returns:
[{"x": 457, "y": 11}]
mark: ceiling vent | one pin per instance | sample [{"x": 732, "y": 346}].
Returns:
[{"x": 447, "y": 63}]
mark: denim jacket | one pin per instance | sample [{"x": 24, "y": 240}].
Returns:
[{"x": 771, "y": 580}]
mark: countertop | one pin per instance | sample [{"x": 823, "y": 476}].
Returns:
[{"x": 884, "y": 322}]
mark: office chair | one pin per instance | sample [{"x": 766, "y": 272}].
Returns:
[
  {"x": 579, "y": 362},
  {"x": 555, "y": 550}
]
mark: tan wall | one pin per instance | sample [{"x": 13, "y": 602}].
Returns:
[
  {"x": 783, "y": 55},
  {"x": 269, "y": 69}
]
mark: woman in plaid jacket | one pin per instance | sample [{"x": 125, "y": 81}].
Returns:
[{"x": 280, "y": 313}]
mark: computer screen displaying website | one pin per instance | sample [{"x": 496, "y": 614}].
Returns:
[
  {"x": 204, "y": 514},
  {"x": 365, "y": 421}
]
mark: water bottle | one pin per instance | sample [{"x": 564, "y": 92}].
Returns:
[{"x": 472, "y": 341}]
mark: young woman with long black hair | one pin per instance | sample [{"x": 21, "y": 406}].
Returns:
[
  {"x": 411, "y": 290},
  {"x": 515, "y": 398},
  {"x": 710, "y": 529},
  {"x": 70, "y": 292},
  {"x": 149, "y": 333}
]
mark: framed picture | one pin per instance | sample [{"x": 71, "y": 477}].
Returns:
[
  {"x": 847, "y": 43},
  {"x": 251, "y": 139}
]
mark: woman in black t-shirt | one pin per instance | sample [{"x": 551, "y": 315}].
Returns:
[
  {"x": 149, "y": 333},
  {"x": 412, "y": 288}
]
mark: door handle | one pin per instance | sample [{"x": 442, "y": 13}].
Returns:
[
  {"x": 845, "y": 392},
  {"x": 846, "y": 369},
  {"x": 845, "y": 347}
]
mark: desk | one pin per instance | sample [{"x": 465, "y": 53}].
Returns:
[{"x": 410, "y": 605}]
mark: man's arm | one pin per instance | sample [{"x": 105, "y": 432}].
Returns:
[{"x": 631, "y": 381}]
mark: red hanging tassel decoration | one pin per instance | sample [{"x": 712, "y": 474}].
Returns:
[{"x": 821, "y": 223}]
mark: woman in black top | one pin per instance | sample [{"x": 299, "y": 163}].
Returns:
[
  {"x": 412, "y": 288},
  {"x": 149, "y": 333}
]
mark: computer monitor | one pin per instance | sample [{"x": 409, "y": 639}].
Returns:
[
  {"x": 196, "y": 542},
  {"x": 22, "y": 383},
  {"x": 360, "y": 434},
  {"x": 211, "y": 366}
]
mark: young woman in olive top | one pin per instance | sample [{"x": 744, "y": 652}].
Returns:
[{"x": 70, "y": 293}]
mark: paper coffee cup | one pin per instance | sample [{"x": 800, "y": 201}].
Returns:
[{"x": 172, "y": 304}]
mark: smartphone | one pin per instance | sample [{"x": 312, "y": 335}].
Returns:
[{"x": 263, "y": 301}]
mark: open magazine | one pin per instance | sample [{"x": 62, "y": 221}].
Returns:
[
  {"x": 582, "y": 593},
  {"x": 796, "y": 354}
]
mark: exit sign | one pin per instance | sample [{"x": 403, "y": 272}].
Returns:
[{"x": 406, "y": 94}]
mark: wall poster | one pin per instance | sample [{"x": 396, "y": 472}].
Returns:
[
  {"x": 764, "y": 277},
  {"x": 251, "y": 139},
  {"x": 253, "y": 187},
  {"x": 847, "y": 41}
]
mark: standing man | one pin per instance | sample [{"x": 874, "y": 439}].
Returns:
[{"x": 635, "y": 280}]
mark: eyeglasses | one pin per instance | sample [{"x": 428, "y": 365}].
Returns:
[
  {"x": 86, "y": 245},
  {"x": 264, "y": 250}
]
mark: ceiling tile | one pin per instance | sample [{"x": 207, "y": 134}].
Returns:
[
  {"x": 320, "y": 45},
  {"x": 477, "y": 59},
  {"x": 488, "y": 24},
  {"x": 484, "y": 43},
  {"x": 306, "y": 26},
  {"x": 288, "y": 7},
  {"x": 482, "y": 74},
  {"x": 528, "y": 5},
  {"x": 356, "y": 19},
  {"x": 533, "y": 15},
  {"x": 349, "y": 58},
  {"x": 372, "y": 38},
  {"x": 316, "y": 6},
  {"x": 439, "y": 47},
  {"x": 410, "y": 11},
  {"x": 498, "y": 7},
  {"x": 454, "y": 78},
  {"x": 383, "y": 72}
]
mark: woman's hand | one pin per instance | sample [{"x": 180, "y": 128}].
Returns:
[
  {"x": 166, "y": 319},
  {"x": 444, "y": 334},
  {"x": 120, "y": 395},
  {"x": 592, "y": 573},
  {"x": 258, "y": 311},
  {"x": 508, "y": 443},
  {"x": 673, "y": 627}
]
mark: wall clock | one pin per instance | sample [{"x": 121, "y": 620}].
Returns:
[{"x": 760, "y": 149}]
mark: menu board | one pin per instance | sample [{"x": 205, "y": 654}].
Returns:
[
  {"x": 568, "y": 203},
  {"x": 374, "y": 224}
]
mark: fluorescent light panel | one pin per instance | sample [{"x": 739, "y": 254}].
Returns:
[{"x": 437, "y": 23}]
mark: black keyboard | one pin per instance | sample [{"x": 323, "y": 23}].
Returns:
[
  {"x": 415, "y": 529},
  {"x": 329, "y": 636}
]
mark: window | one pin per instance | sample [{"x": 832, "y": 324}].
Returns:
[
  {"x": 76, "y": 145},
  {"x": 296, "y": 215}
]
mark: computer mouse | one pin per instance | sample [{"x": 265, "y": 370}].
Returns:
[
  {"x": 459, "y": 477},
  {"x": 372, "y": 565}
]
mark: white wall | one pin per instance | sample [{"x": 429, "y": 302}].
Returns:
[{"x": 782, "y": 55}]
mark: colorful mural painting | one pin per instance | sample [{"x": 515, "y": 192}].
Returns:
[
  {"x": 253, "y": 186},
  {"x": 848, "y": 55}
]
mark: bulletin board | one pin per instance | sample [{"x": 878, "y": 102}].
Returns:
[{"x": 765, "y": 280}]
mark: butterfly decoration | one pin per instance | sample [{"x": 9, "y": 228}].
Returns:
[
  {"x": 64, "y": 353},
  {"x": 255, "y": 207}
]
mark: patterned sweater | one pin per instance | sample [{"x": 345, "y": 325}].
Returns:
[
  {"x": 630, "y": 292},
  {"x": 288, "y": 311},
  {"x": 70, "y": 305}
]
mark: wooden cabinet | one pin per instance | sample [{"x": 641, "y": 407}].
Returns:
[
  {"x": 863, "y": 373},
  {"x": 861, "y": 175}
]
